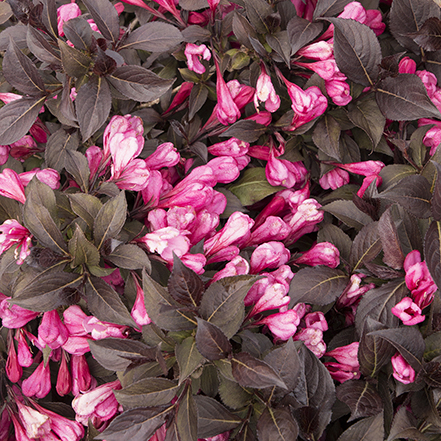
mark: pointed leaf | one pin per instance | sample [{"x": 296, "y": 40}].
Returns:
[
  {"x": 348, "y": 213},
  {"x": 252, "y": 372},
  {"x": 279, "y": 43},
  {"x": 57, "y": 146},
  {"x": 41, "y": 47},
  {"x": 222, "y": 303},
  {"x": 257, "y": 11},
  {"x": 432, "y": 247},
  {"x": 326, "y": 137},
  {"x": 367, "y": 429},
  {"x": 187, "y": 418},
  {"x": 82, "y": 250},
  {"x": 78, "y": 32},
  {"x": 328, "y": 8},
  {"x": 436, "y": 196},
  {"x": 148, "y": 392},
  {"x": 412, "y": 193},
  {"x": 20, "y": 72},
  {"x": 357, "y": 50},
  {"x": 110, "y": 219},
  {"x": 213, "y": 418},
  {"x": 138, "y": 83},
  {"x": 243, "y": 30},
  {"x": 17, "y": 117},
  {"x": 361, "y": 397},
  {"x": 405, "y": 98},
  {"x": 319, "y": 285},
  {"x": 188, "y": 358},
  {"x": 75, "y": 62},
  {"x": 429, "y": 35},
  {"x": 77, "y": 165},
  {"x": 390, "y": 241},
  {"x": 105, "y": 17},
  {"x": 86, "y": 207},
  {"x": 245, "y": 130},
  {"x": 404, "y": 427},
  {"x": 93, "y": 106},
  {"x": 277, "y": 425},
  {"x": 211, "y": 341},
  {"x": 301, "y": 32},
  {"x": 233, "y": 394},
  {"x": 153, "y": 37},
  {"x": 366, "y": 246},
  {"x": 198, "y": 97},
  {"x": 184, "y": 285},
  {"x": 105, "y": 303},
  {"x": 130, "y": 257}
]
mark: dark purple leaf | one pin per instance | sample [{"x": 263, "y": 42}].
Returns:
[
  {"x": 412, "y": 193},
  {"x": 194, "y": 33},
  {"x": 5, "y": 12},
  {"x": 407, "y": 340},
  {"x": 407, "y": 17},
  {"x": 432, "y": 243},
  {"x": 429, "y": 35},
  {"x": 213, "y": 418},
  {"x": 357, "y": 51},
  {"x": 106, "y": 304},
  {"x": 404, "y": 98},
  {"x": 333, "y": 234},
  {"x": 20, "y": 72},
  {"x": 222, "y": 303},
  {"x": 383, "y": 272},
  {"x": 184, "y": 285},
  {"x": 277, "y": 425},
  {"x": 105, "y": 17},
  {"x": 148, "y": 392},
  {"x": 57, "y": 145},
  {"x": 377, "y": 304},
  {"x": 83, "y": 251},
  {"x": 301, "y": 32},
  {"x": 243, "y": 30},
  {"x": 47, "y": 291},
  {"x": 93, "y": 104},
  {"x": 42, "y": 48},
  {"x": 257, "y": 11},
  {"x": 49, "y": 16},
  {"x": 433, "y": 63},
  {"x": 436, "y": 195},
  {"x": 129, "y": 256},
  {"x": 328, "y": 8},
  {"x": 248, "y": 131},
  {"x": 404, "y": 426},
  {"x": 198, "y": 97},
  {"x": 393, "y": 254},
  {"x": 408, "y": 230},
  {"x": 103, "y": 65},
  {"x": 75, "y": 62},
  {"x": 17, "y": 117},
  {"x": 77, "y": 166},
  {"x": 249, "y": 371},
  {"x": 366, "y": 246},
  {"x": 193, "y": 5},
  {"x": 79, "y": 33},
  {"x": 326, "y": 137},
  {"x": 188, "y": 358},
  {"x": 138, "y": 83},
  {"x": 187, "y": 417},
  {"x": 319, "y": 285},
  {"x": 86, "y": 207},
  {"x": 348, "y": 213},
  {"x": 110, "y": 219},
  {"x": 367, "y": 429},
  {"x": 17, "y": 33},
  {"x": 135, "y": 424},
  {"x": 424, "y": 407},
  {"x": 211, "y": 342},
  {"x": 153, "y": 37},
  {"x": 361, "y": 397},
  {"x": 280, "y": 43}
]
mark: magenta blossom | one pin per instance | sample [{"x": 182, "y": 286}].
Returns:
[
  {"x": 11, "y": 186},
  {"x": 39, "y": 383},
  {"x": 265, "y": 92},
  {"x": 194, "y": 53},
  {"x": 323, "y": 253},
  {"x": 408, "y": 312},
  {"x": 12, "y": 233},
  {"x": 66, "y": 13},
  {"x": 226, "y": 110},
  {"x": 283, "y": 324},
  {"x": 403, "y": 372},
  {"x": 334, "y": 179}
]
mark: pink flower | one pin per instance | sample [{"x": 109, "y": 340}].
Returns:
[
  {"x": 82, "y": 380},
  {"x": 408, "y": 312},
  {"x": 339, "y": 91},
  {"x": 321, "y": 50},
  {"x": 316, "y": 320},
  {"x": 286, "y": 173},
  {"x": 347, "y": 355},
  {"x": 274, "y": 228},
  {"x": 12, "y": 233},
  {"x": 48, "y": 176},
  {"x": 274, "y": 296},
  {"x": 139, "y": 312},
  {"x": 98, "y": 404},
  {"x": 407, "y": 65},
  {"x": 236, "y": 267},
  {"x": 194, "y": 53},
  {"x": 403, "y": 372},
  {"x": 225, "y": 169},
  {"x": 39, "y": 383},
  {"x": 432, "y": 137},
  {"x": 181, "y": 96},
  {"x": 66, "y": 13},
  {"x": 24, "y": 354},
  {"x": 226, "y": 110},
  {"x": 367, "y": 181},
  {"x": 23, "y": 148},
  {"x": 269, "y": 255},
  {"x": 13, "y": 369},
  {"x": 11, "y": 186},
  {"x": 313, "y": 339},
  {"x": 353, "y": 291},
  {"x": 283, "y": 324},
  {"x": 14, "y": 316},
  {"x": 374, "y": 21},
  {"x": 334, "y": 179},
  {"x": 64, "y": 379},
  {"x": 165, "y": 155},
  {"x": 323, "y": 253},
  {"x": 366, "y": 168},
  {"x": 233, "y": 147},
  {"x": 100, "y": 330},
  {"x": 52, "y": 331},
  {"x": 35, "y": 423},
  {"x": 265, "y": 92},
  {"x": 342, "y": 372}
]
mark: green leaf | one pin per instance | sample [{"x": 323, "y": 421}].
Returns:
[
  {"x": 148, "y": 392},
  {"x": 211, "y": 341},
  {"x": 222, "y": 303},
  {"x": 188, "y": 358},
  {"x": 187, "y": 418},
  {"x": 82, "y": 250},
  {"x": 213, "y": 418},
  {"x": 277, "y": 425},
  {"x": 252, "y": 186},
  {"x": 105, "y": 303},
  {"x": 130, "y": 257},
  {"x": 110, "y": 219}
]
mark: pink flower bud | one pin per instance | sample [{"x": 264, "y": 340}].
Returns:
[
  {"x": 181, "y": 96},
  {"x": 14, "y": 316},
  {"x": 82, "y": 380},
  {"x": 366, "y": 168},
  {"x": 52, "y": 331},
  {"x": 269, "y": 255},
  {"x": 233, "y": 147},
  {"x": 429, "y": 80},
  {"x": 11, "y": 186},
  {"x": 64, "y": 379},
  {"x": 94, "y": 157},
  {"x": 165, "y": 155},
  {"x": 20, "y": 432},
  {"x": 323, "y": 253},
  {"x": 286, "y": 173},
  {"x": 316, "y": 320},
  {"x": 139, "y": 312},
  {"x": 227, "y": 253},
  {"x": 203, "y": 226},
  {"x": 322, "y": 50},
  {"x": 403, "y": 372},
  {"x": 374, "y": 21},
  {"x": 196, "y": 262},
  {"x": 225, "y": 169},
  {"x": 73, "y": 320},
  {"x": 236, "y": 267},
  {"x": 347, "y": 355},
  {"x": 66, "y": 13},
  {"x": 339, "y": 91},
  {"x": 36, "y": 424},
  {"x": 283, "y": 324},
  {"x": 155, "y": 189},
  {"x": 100, "y": 330},
  {"x": 39, "y": 131},
  {"x": 265, "y": 92},
  {"x": 23, "y": 148},
  {"x": 273, "y": 297},
  {"x": 48, "y": 176},
  {"x": 226, "y": 110},
  {"x": 194, "y": 53},
  {"x": 326, "y": 69},
  {"x": 196, "y": 194},
  {"x": 334, "y": 179},
  {"x": 354, "y": 11},
  {"x": 432, "y": 137},
  {"x": 135, "y": 176},
  {"x": 367, "y": 181},
  {"x": 24, "y": 354},
  {"x": 353, "y": 291},
  {"x": 14, "y": 234},
  {"x": 313, "y": 339},
  {"x": 408, "y": 312},
  {"x": 77, "y": 345},
  {"x": 342, "y": 372},
  {"x": 13, "y": 369},
  {"x": 39, "y": 383},
  {"x": 263, "y": 117},
  {"x": 237, "y": 228},
  {"x": 407, "y": 65},
  {"x": 274, "y": 228}
]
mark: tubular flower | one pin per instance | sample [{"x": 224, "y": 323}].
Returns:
[
  {"x": 226, "y": 110},
  {"x": 194, "y": 53},
  {"x": 12, "y": 233},
  {"x": 265, "y": 92},
  {"x": 408, "y": 312},
  {"x": 403, "y": 372}
]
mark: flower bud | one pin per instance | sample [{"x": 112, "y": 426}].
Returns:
[
  {"x": 233, "y": 147},
  {"x": 334, "y": 179},
  {"x": 52, "y": 331},
  {"x": 403, "y": 372},
  {"x": 283, "y": 324},
  {"x": 165, "y": 155},
  {"x": 226, "y": 109},
  {"x": 323, "y": 253},
  {"x": 13, "y": 369},
  {"x": 82, "y": 380},
  {"x": 64, "y": 379},
  {"x": 408, "y": 312},
  {"x": 269, "y": 255},
  {"x": 39, "y": 383},
  {"x": 11, "y": 186}
]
